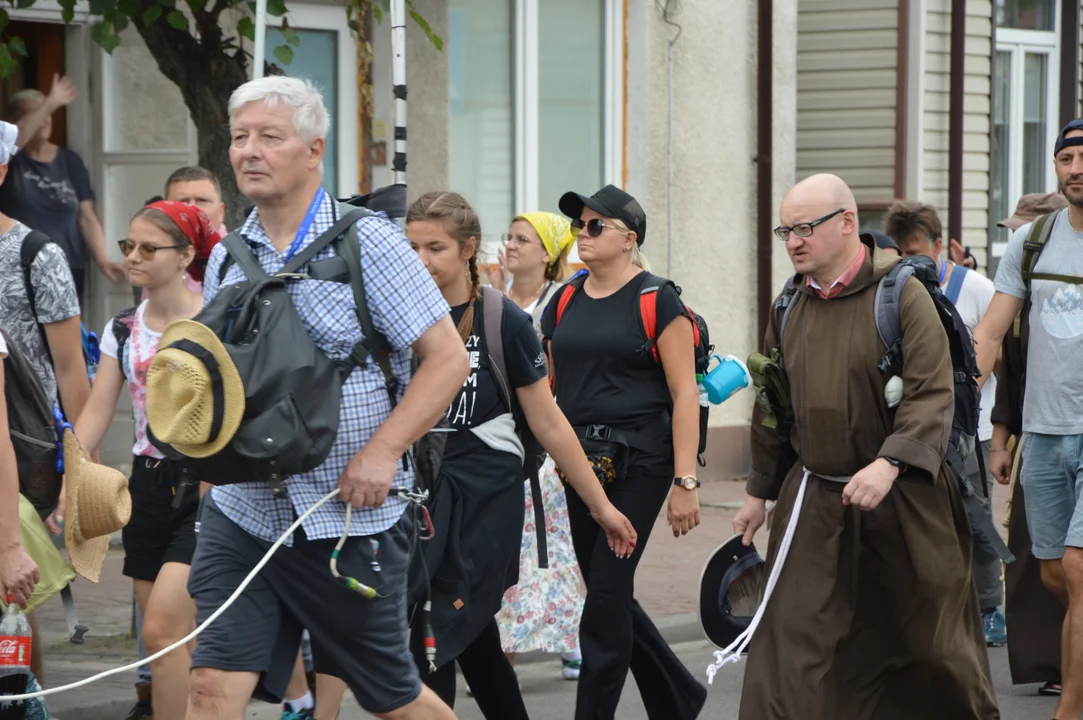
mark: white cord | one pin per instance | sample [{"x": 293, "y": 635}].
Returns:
[
  {"x": 214, "y": 616},
  {"x": 732, "y": 654}
]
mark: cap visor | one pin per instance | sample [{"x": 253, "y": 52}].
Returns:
[
  {"x": 572, "y": 204},
  {"x": 1012, "y": 223}
]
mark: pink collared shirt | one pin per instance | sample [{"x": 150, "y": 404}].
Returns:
[{"x": 844, "y": 280}]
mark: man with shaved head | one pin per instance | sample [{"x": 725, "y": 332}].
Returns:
[{"x": 874, "y": 612}]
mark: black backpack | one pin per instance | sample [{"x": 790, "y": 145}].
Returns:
[
  {"x": 962, "y": 443},
  {"x": 33, "y": 432},
  {"x": 292, "y": 388}
]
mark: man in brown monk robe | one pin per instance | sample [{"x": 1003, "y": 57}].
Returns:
[{"x": 874, "y": 614}]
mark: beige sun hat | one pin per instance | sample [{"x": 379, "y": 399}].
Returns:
[
  {"x": 98, "y": 505},
  {"x": 195, "y": 397}
]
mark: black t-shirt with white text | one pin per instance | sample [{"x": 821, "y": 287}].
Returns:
[
  {"x": 604, "y": 374},
  {"x": 479, "y": 399}
]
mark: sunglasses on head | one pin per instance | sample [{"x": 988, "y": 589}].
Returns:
[
  {"x": 594, "y": 227},
  {"x": 147, "y": 252}
]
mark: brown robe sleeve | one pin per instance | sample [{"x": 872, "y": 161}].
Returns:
[
  {"x": 923, "y": 419},
  {"x": 771, "y": 458},
  {"x": 1011, "y": 380}
]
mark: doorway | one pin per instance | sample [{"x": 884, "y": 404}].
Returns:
[{"x": 45, "y": 58}]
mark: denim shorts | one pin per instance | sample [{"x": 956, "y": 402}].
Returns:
[{"x": 1052, "y": 477}]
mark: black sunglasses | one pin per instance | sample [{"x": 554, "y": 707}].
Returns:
[
  {"x": 594, "y": 227},
  {"x": 804, "y": 229}
]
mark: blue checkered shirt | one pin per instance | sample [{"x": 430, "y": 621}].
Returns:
[{"x": 404, "y": 303}]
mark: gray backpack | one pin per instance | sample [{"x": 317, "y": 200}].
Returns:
[{"x": 292, "y": 389}]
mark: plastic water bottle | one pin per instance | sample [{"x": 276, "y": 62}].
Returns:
[
  {"x": 703, "y": 401},
  {"x": 14, "y": 660}
]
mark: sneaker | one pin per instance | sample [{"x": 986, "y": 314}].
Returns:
[
  {"x": 288, "y": 714},
  {"x": 142, "y": 709},
  {"x": 996, "y": 635},
  {"x": 570, "y": 669}
]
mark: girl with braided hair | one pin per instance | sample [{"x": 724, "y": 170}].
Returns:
[{"x": 478, "y": 500}]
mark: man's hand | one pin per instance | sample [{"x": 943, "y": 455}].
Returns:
[
  {"x": 683, "y": 511},
  {"x": 368, "y": 477},
  {"x": 750, "y": 518},
  {"x": 1000, "y": 465},
  {"x": 55, "y": 519},
  {"x": 870, "y": 485},
  {"x": 112, "y": 270},
  {"x": 618, "y": 529},
  {"x": 18, "y": 574},
  {"x": 959, "y": 256}
]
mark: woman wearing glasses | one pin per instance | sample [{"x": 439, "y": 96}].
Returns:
[
  {"x": 542, "y": 611},
  {"x": 637, "y": 418},
  {"x": 164, "y": 240}
]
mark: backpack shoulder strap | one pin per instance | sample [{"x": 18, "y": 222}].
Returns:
[
  {"x": 373, "y": 342},
  {"x": 492, "y": 315},
  {"x": 122, "y": 330},
  {"x": 955, "y": 284},
  {"x": 886, "y": 309},
  {"x": 566, "y": 294},
  {"x": 33, "y": 243},
  {"x": 648, "y": 310},
  {"x": 1035, "y": 242},
  {"x": 237, "y": 252},
  {"x": 785, "y": 305}
]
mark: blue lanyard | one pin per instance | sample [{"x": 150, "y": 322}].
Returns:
[
  {"x": 943, "y": 270},
  {"x": 302, "y": 231}
]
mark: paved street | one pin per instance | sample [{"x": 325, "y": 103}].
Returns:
[{"x": 667, "y": 585}]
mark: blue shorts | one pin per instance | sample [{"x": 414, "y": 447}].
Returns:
[{"x": 1052, "y": 477}]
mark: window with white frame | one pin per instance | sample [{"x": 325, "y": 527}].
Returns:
[
  {"x": 326, "y": 55},
  {"x": 1024, "y": 110},
  {"x": 535, "y": 98}
]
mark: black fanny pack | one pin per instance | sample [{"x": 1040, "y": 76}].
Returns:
[{"x": 607, "y": 449}]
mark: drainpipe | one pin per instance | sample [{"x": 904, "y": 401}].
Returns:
[
  {"x": 764, "y": 165},
  {"x": 956, "y": 89},
  {"x": 1069, "y": 62}
]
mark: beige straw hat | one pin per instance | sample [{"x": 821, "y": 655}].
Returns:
[
  {"x": 98, "y": 505},
  {"x": 195, "y": 397}
]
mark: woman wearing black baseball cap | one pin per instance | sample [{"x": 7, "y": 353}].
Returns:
[{"x": 634, "y": 405}]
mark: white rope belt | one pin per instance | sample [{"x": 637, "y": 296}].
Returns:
[{"x": 732, "y": 653}]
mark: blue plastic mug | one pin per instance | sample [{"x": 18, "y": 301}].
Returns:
[{"x": 729, "y": 376}]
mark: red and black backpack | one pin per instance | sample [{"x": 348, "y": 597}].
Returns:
[{"x": 648, "y": 323}]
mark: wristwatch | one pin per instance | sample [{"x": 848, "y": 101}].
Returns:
[
  {"x": 688, "y": 482},
  {"x": 897, "y": 463}
]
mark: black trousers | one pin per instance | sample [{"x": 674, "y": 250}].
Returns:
[
  {"x": 615, "y": 633},
  {"x": 486, "y": 670}
]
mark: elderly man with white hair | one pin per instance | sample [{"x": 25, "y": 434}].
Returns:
[{"x": 279, "y": 126}]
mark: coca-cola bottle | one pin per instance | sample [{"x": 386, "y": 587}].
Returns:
[{"x": 14, "y": 660}]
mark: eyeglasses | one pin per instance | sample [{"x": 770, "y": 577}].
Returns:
[
  {"x": 594, "y": 227},
  {"x": 804, "y": 229},
  {"x": 520, "y": 239},
  {"x": 146, "y": 252}
]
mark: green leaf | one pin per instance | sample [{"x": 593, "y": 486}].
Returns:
[
  {"x": 128, "y": 8},
  {"x": 196, "y": 5},
  {"x": 290, "y": 35},
  {"x": 18, "y": 47},
  {"x": 167, "y": 3},
  {"x": 68, "y": 8},
  {"x": 104, "y": 35},
  {"x": 283, "y": 54},
  {"x": 435, "y": 39},
  {"x": 378, "y": 13},
  {"x": 99, "y": 7},
  {"x": 120, "y": 22},
  {"x": 4, "y": 19},
  {"x": 177, "y": 19},
  {"x": 23, "y": 4},
  {"x": 8, "y": 64},
  {"x": 152, "y": 14},
  {"x": 276, "y": 8},
  {"x": 246, "y": 28}
]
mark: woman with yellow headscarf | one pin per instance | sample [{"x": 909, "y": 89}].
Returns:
[{"x": 536, "y": 254}]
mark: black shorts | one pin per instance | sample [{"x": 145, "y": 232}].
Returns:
[
  {"x": 158, "y": 533},
  {"x": 363, "y": 642}
]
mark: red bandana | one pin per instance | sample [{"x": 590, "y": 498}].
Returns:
[{"x": 196, "y": 226}]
